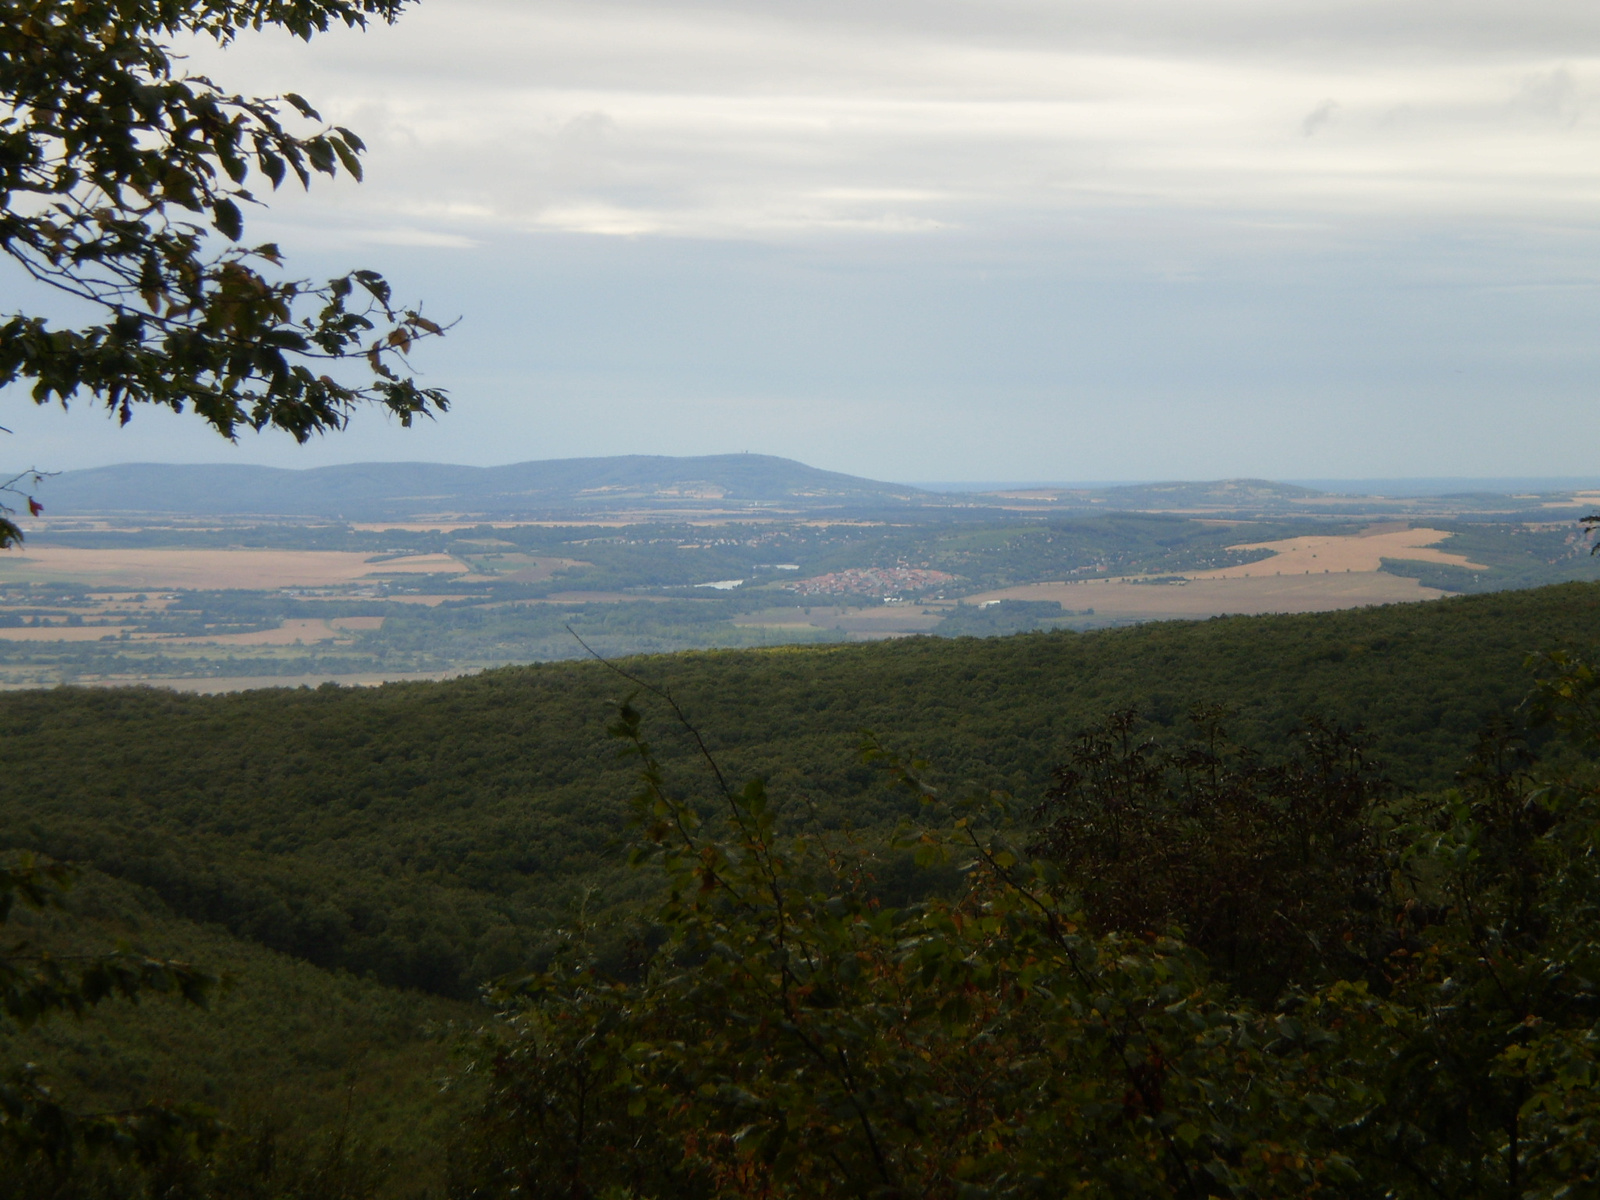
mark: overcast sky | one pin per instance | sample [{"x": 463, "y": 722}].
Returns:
[{"x": 942, "y": 240}]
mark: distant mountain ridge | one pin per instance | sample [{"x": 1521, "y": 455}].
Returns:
[
  {"x": 659, "y": 484},
  {"x": 385, "y": 490}
]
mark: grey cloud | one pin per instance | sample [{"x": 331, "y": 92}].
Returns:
[
  {"x": 776, "y": 118},
  {"x": 968, "y": 232},
  {"x": 1295, "y": 28},
  {"x": 1318, "y": 117},
  {"x": 1553, "y": 95},
  {"x": 986, "y": 237},
  {"x": 739, "y": 46}
]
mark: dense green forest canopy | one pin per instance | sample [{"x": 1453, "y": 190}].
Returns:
[
  {"x": 1206, "y": 974},
  {"x": 356, "y": 862},
  {"x": 430, "y": 834}
]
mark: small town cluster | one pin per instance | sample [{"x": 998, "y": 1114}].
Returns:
[{"x": 888, "y": 582}]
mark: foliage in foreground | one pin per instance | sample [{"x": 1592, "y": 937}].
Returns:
[
  {"x": 793, "y": 1037},
  {"x": 120, "y": 174}
]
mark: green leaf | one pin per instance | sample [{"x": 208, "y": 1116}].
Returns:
[
  {"x": 228, "y": 220},
  {"x": 302, "y": 106},
  {"x": 347, "y": 156},
  {"x": 272, "y": 166}
]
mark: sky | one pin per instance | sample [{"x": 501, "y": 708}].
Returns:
[{"x": 957, "y": 239}]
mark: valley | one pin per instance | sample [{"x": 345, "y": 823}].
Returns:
[
  {"x": 1073, "y": 815},
  {"x": 629, "y": 556},
  {"x": 364, "y": 768}
]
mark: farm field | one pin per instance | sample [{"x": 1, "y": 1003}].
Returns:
[
  {"x": 858, "y": 623},
  {"x": 294, "y": 631},
  {"x": 212, "y": 568},
  {"x": 1311, "y": 573},
  {"x": 1147, "y": 599},
  {"x": 1362, "y": 551},
  {"x": 214, "y": 604},
  {"x": 56, "y": 633}
]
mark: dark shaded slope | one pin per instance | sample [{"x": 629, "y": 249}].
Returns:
[
  {"x": 428, "y": 833},
  {"x": 290, "y": 1057}
]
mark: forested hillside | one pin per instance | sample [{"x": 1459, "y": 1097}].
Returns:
[
  {"x": 360, "y": 861},
  {"x": 333, "y": 1080},
  {"x": 429, "y": 833}
]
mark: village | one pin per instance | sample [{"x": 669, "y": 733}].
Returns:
[{"x": 889, "y": 582}]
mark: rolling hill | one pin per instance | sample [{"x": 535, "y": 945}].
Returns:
[
  {"x": 386, "y": 491},
  {"x": 727, "y": 484},
  {"x": 395, "y": 830}
]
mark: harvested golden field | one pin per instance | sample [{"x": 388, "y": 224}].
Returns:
[
  {"x": 1211, "y": 597},
  {"x": 295, "y": 631},
  {"x": 59, "y": 633},
  {"x": 1317, "y": 573},
  {"x": 249, "y": 569},
  {"x": 1364, "y": 551}
]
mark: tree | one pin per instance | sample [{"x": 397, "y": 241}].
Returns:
[
  {"x": 793, "y": 1038},
  {"x": 1273, "y": 870},
  {"x": 1035, "y": 1035},
  {"x": 123, "y": 184}
]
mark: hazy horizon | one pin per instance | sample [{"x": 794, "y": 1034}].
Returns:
[
  {"x": 940, "y": 241},
  {"x": 1418, "y": 485}
]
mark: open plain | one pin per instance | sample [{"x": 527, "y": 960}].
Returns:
[
  {"x": 99, "y": 599},
  {"x": 207, "y": 568}
]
